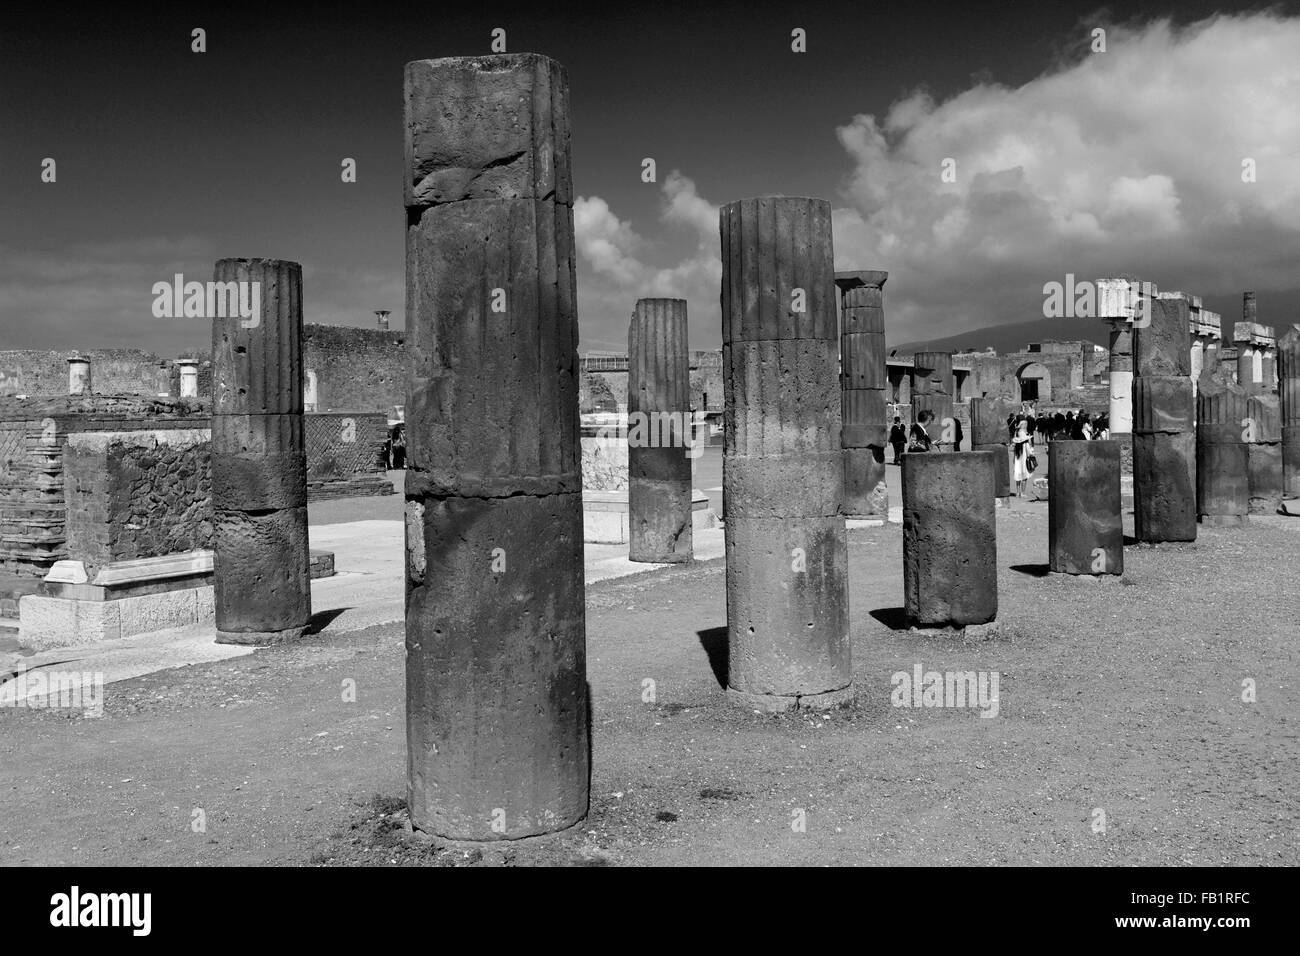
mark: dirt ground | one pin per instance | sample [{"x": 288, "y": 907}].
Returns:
[{"x": 1122, "y": 696}]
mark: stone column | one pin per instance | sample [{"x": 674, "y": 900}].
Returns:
[
  {"x": 862, "y": 381},
  {"x": 259, "y": 466},
  {"x": 1288, "y": 388},
  {"x": 787, "y": 554},
  {"x": 1085, "y": 525},
  {"x": 78, "y": 376},
  {"x": 933, "y": 392},
  {"x": 496, "y": 690},
  {"x": 1197, "y": 360},
  {"x": 1246, "y": 365},
  {"x": 950, "y": 553},
  {"x": 1164, "y": 452},
  {"x": 1265, "y": 450},
  {"x": 988, "y": 427},
  {"x": 1222, "y": 454},
  {"x": 658, "y": 435},
  {"x": 1268, "y": 369},
  {"x": 189, "y": 375}
]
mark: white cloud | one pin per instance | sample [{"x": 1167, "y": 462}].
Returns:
[
  {"x": 1129, "y": 160},
  {"x": 615, "y": 267}
]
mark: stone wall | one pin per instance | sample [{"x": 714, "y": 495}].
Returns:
[
  {"x": 33, "y": 435},
  {"x": 345, "y": 454},
  {"x": 112, "y": 372},
  {"x": 355, "y": 370},
  {"x": 139, "y": 494},
  {"x": 604, "y": 459}
]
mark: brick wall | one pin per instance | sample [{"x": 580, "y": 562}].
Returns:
[
  {"x": 112, "y": 372},
  {"x": 357, "y": 370},
  {"x": 345, "y": 454}
]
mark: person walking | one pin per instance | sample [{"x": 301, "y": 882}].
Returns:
[
  {"x": 1023, "y": 444},
  {"x": 897, "y": 439}
]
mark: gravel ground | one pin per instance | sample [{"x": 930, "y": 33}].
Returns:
[{"x": 1121, "y": 697}]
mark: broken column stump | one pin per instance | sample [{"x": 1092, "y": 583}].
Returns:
[
  {"x": 988, "y": 432},
  {"x": 782, "y": 468},
  {"x": 1265, "y": 452},
  {"x": 261, "y": 573},
  {"x": 658, "y": 433},
  {"x": 863, "y": 434},
  {"x": 1164, "y": 439},
  {"x": 496, "y": 690},
  {"x": 1085, "y": 525},
  {"x": 950, "y": 551},
  {"x": 1222, "y": 453}
]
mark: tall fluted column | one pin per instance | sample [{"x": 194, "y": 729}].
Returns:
[
  {"x": 787, "y": 554},
  {"x": 658, "y": 433},
  {"x": 259, "y": 464},
  {"x": 496, "y": 689},
  {"x": 862, "y": 392}
]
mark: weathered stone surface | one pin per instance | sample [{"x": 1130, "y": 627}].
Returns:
[
  {"x": 1085, "y": 526},
  {"x": 1163, "y": 346},
  {"x": 262, "y": 571},
  {"x": 1265, "y": 462},
  {"x": 864, "y": 418},
  {"x": 1164, "y": 458},
  {"x": 950, "y": 566},
  {"x": 773, "y": 248},
  {"x": 258, "y": 370},
  {"x": 988, "y": 432},
  {"x": 659, "y": 521},
  {"x": 494, "y": 407},
  {"x": 496, "y": 667},
  {"x": 933, "y": 388},
  {"x": 1164, "y": 486},
  {"x": 783, "y": 471},
  {"x": 866, "y": 493},
  {"x": 487, "y": 127},
  {"x": 787, "y": 627},
  {"x": 1222, "y": 454},
  {"x": 1001, "y": 468},
  {"x": 658, "y": 405},
  {"x": 497, "y": 707}
]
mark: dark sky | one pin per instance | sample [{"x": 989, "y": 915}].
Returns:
[{"x": 169, "y": 159}]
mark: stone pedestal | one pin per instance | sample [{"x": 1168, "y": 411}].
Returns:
[
  {"x": 259, "y": 463},
  {"x": 1085, "y": 525},
  {"x": 496, "y": 691},
  {"x": 787, "y": 554},
  {"x": 659, "y": 438},
  {"x": 863, "y": 380},
  {"x": 1222, "y": 454},
  {"x": 950, "y": 555}
]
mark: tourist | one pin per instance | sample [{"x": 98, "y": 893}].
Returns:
[
  {"x": 1085, "y": 426},
  {"x": 1023, "y": 444},
  {"x": 1102, "y": 429},
  {"x": 897, "y": 439},
  {"x": 918, "y": 435}
]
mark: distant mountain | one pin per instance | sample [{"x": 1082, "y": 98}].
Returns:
[{"x": 1012, "y": 337}]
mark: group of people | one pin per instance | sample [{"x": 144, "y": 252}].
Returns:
[{"x": 1021, "y": 428}]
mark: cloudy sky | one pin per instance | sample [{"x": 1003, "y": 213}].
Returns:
[{"x": 1066, "y": 160}]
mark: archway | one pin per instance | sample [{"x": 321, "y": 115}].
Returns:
[{"x": 1035, "y": 381}]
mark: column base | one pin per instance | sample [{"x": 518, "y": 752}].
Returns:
[
  {"x": 260, "y": 638},
  {"x": 779, "y": 704},
  {"x": 1223, "y": 521}
]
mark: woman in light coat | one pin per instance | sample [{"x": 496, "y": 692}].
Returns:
[{"x": 1023, "y": 444}]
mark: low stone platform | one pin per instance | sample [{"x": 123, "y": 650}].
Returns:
[
  {"x": 122, "y": 599},
  {"x": 322, "y": 564},
  {"x": 605, "y": 515}
]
